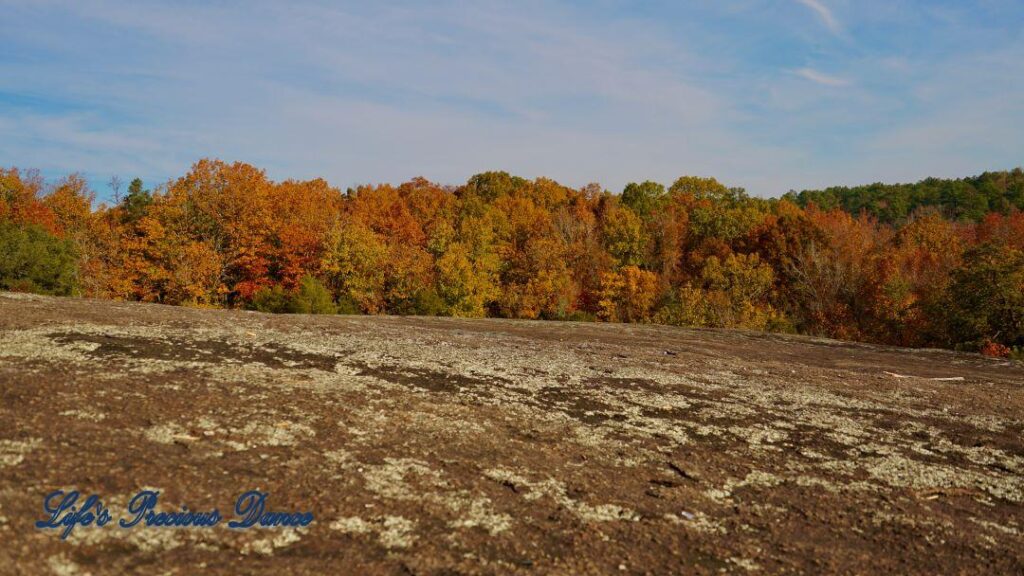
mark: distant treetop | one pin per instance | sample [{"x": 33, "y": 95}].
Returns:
[{"x": 961, "y": 199}]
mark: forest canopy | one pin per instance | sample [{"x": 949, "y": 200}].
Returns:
[
  {"x": 937, "y": 263},
  {"x": 963, "y": 199}
]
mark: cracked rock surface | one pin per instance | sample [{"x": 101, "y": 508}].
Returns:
[{"x": 457, "y": 446}]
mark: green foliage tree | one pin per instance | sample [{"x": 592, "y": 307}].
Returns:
[
  {"x": 136, "y": 202},
  {"x": 33, "y": 260},
  {"x": 986, "y": 297},
  {"x": 489, "y": 186},
  {"x": 968, "y": 199},
  {"x": 701, "y": 189},
  {"x": 644, "y": 198}
]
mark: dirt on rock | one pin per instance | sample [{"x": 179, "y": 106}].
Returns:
[{"x": 458, "y": 446}]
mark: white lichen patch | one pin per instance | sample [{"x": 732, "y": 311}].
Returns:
[
  {"x": 754, "y": 478},
  {"x": 882, "y": 518},
  {"x": 267, "y": 545},
  {"x": 600, "y": 512},
  {"x": 339, "y": 457},
  {"x": 817, "y": 482},
  {"x": 392, "y": 478},
  {"x": 279, "y": 433},
  {"x": 150, "y": 540},
  {"x": 61, "y": 565},
  {"x": 84, "y": 415},
  {"x": 167, "y": 433},
  {"x": 758, "y": 435},
  {"x": 36, "y": 343},
  {"x": 13, "y": 452},
  {"x": 392, "y": 531},
  {"x": 209, "y": 426},
  {"x": 904, "y": 472},
  {"x": 397, "y": 532},
  {"x": 351, "y": 525},
  {"x": 556, "y": 490},
  {"x": 477, "y": 513},
  {"x": 410, "y": 479},
  {"x": 745, "y": 563}
]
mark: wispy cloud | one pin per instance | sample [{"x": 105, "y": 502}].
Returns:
[
  {"x": 820, "y": 77},
  {"x": 825, "y": 13},
  {"x": 384, "y": 91}
]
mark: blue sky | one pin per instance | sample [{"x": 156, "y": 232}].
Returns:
[{"x": 771, "y": 95}]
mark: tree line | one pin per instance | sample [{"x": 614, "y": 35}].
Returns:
[
  {"x": 960, "y": 199},
  {"x": 878, "y": 264}
]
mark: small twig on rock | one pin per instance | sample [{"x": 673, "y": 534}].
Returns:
[
  {"x": 946, "y": 379},
  {"x": 683, "y": 472}
]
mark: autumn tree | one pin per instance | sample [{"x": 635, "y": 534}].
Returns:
[
  {"x": 830, "y": 273},
  {"x": 312, "y": 297},
  {"x": 220, "y": 217},
  {"x": 730, "y": 293},
  {"x": 534, "y": 275},
  {"x": 910, "y": 280},
  {"x": 578, "y": 227},
  {"x": 627, "y": 295},
  {"x": 622, "y": 233},
  {"x": 70, "y": 200},
  {"x": 304, "y": 217},
  {"x": 985, "y": 299},
  {"x": 1005, "y": 229},
  {"x": 467, "y": 263},
  {"x": 355, "y": 264}
]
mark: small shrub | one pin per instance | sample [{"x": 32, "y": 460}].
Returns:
[
  {"x": 312, "y": 297},
  {"x": 429, "y": 303},
  {"x": 346, "y": 305},
  {"x": 995, "y": 350},
  {"x": 274, "y": 299},
  {"x": 581, "y": 316},
  {"x": 424, "y": 302},
  {"x": 1017, "y": 353},
  {"x": 779, "y": 322}
]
